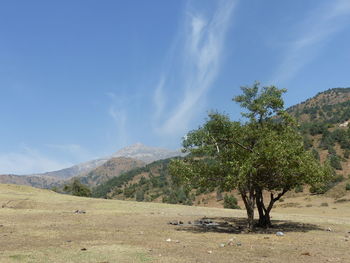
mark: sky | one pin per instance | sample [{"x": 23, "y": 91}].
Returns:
[{"x": 81, "y": 79}]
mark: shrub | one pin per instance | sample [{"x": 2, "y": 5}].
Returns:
[
  {"x": 77, "y": 188},
  {"x": 299, "y": 189},
  {"x": 347, "y": 187},
  {"x": 140, "y": 195},
  {"x": 335, "y": 162},
  {"x": 322, "y": 188},
  {"x": 230, "y": 202}
]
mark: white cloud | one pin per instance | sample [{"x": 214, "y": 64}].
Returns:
[
  {"x": 314, "y": 32},
  {"x": 28, "y": 161},
  {"x": 119, "y": 115},
  {"x": 159, "y": 98},
  {"x": 204, "y": 37}
]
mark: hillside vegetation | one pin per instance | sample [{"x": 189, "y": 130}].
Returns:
[{"x": 149, "y": 183}]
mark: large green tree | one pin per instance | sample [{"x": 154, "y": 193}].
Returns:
[{"x": 262, "y": 157}]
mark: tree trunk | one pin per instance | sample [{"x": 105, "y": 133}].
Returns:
[
  {"x": 264, "y": 213},
  {"x": 249, "y": 202}
]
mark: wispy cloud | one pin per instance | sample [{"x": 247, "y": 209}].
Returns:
[
  {"x": 28, "y": 161},
  {"x": 201, "y": 53},
  {"x": 313, "y": 34},
  {"x": 117, "y": 111}
]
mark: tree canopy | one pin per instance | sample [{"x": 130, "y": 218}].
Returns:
[{"x": 262, "y": 157}]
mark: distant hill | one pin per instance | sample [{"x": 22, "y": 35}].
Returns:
[
  {"x": 149, "y": 183},
  {"x": 123, "y": 160},
  {"x": 75, "y": 170},
  {"x": 35, "y": 181},
  {"x": 112, "y": 168}
]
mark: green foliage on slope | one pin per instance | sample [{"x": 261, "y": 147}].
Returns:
[{"x": 154, "y": 183}]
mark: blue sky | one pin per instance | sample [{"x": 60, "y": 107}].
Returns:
[{"x": 81, "y": 79}]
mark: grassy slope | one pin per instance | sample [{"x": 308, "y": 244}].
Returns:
[{"x": 40, "y": 226}]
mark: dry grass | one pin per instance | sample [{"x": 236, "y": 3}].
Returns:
[{"x": 41, "y": 226}]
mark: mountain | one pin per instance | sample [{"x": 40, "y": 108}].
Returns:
[
  {"x": 75, "y": 170},
  {"x": 145, "y": 153},
  {"x": 112, "y": 168},
  {"x": 125, "y": 159},
  {"x": 35, "y": 181}
]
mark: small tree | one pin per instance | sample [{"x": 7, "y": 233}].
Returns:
[
  {"x": 262, "y": 157},
  {"x": 230, "y": 202},
  {"x": 77, "y": 188}
]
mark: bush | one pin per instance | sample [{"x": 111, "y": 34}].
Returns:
[
  {"x": 77, "y": 188},
  {"x": 299, "y": 189},
  {"x": 335, "y": 162},
  {"x": 322, "y": 188},
  {"x": 140, "y": 195},
  {"x": 230, "y": 202},
  {"x": 347, "y": 187}
]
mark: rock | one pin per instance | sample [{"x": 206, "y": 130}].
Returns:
[
  {"x": 207, "y": 221},
  {"x": 329, "y": 229},
  {"x": 181, "y": 223},
  {"x": 177, "y": 241},
  {"x": 238, "y": 244},
  {"x": 83, "y": 249},
  {"x": 279, "y": 234},
  {"x": 79, "y": 212},
  {"x": 222, "y": 245},
  {"x": 209, "y": 251},
  {"x": 175, "y": 223},
  {"x": 189, "y": 222},
  {"x": 168, "y": 240},
  {"x": 306, "y": 254},
  {"x": 230, "y": 243}
]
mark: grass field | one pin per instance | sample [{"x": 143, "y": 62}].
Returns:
[{"x": 41, "y": 226}]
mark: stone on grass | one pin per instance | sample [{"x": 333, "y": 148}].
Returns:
[{"x": 279, "y": 234}]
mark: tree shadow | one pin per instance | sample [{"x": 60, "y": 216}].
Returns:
[{"x": 238, "y": 225}]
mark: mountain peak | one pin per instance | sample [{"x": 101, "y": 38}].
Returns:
[{"x": 145, "y": 153}]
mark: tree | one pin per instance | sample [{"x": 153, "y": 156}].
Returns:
[
  {"x": 77, "y": 188},
  {"x": 262, "y": 157}
]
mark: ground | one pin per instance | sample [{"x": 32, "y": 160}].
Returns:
[{"x": 42, "y": 226}]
